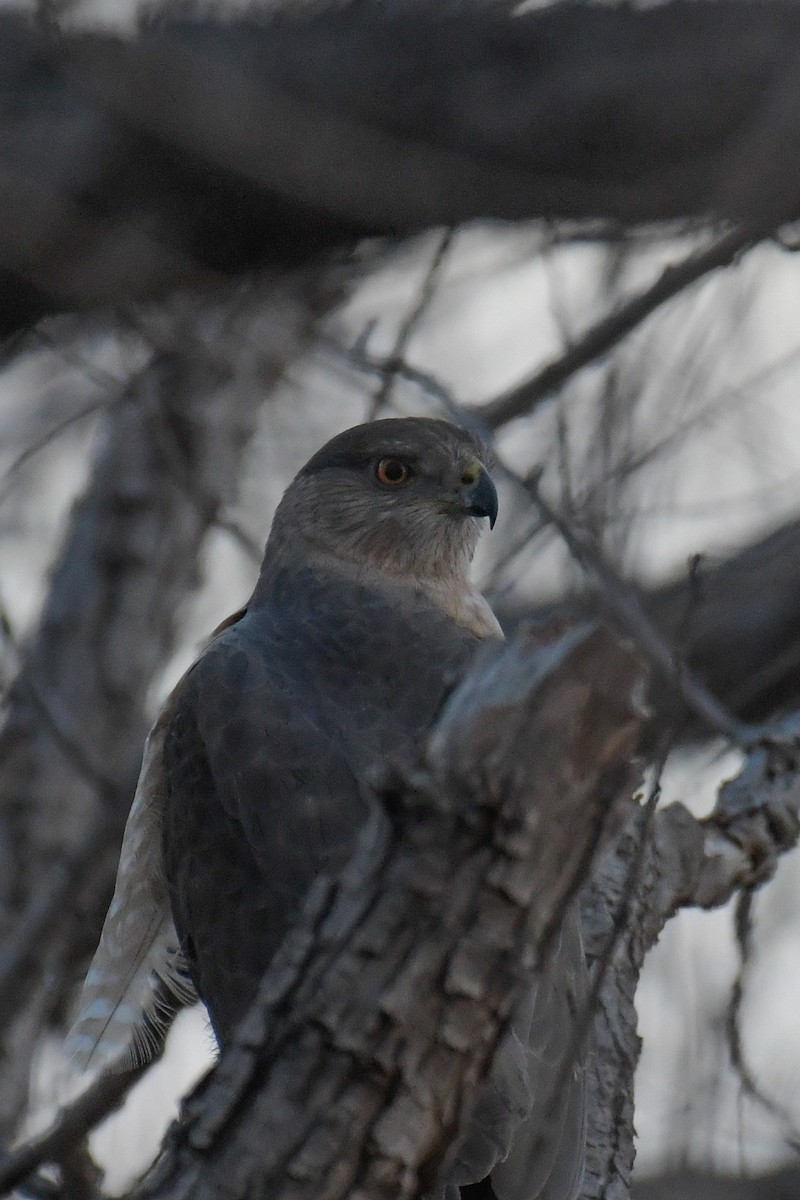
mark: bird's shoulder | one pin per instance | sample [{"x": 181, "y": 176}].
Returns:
[
  {"x": 311, "y": 631},
  {"x": 322, "y": 666}
]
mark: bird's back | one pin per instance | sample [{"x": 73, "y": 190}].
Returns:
[{"x": 265, "y": 753}]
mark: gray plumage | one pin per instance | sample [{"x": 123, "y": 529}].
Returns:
[
  {"x": 362, "y": 621},
  {"x": 138, "y": 980}
]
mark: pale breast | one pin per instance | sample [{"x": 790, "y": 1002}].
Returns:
[{"x": 464, "y": 603}]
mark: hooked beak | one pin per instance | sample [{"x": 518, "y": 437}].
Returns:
[{"x": 480, "y": 497}]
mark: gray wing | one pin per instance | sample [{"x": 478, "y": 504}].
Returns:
[
  {"x": 546, "y": 1153},
  {"x": 272, "y": 731},
  {"x": 258, "y": 803},
  {"x": 137, "y": 980},
  {"x": 524, "y": 1132}
]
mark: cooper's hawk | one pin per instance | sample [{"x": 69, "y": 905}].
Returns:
[{"x": 362, "y": 619}]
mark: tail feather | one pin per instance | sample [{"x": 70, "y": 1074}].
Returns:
[{"x": 138, "y": 979}]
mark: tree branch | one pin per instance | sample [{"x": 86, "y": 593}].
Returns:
[
  {"x": 623, "y": 603},
  {"x": 611, "y": 114},
  {"x": 108, "y": 623},
  {"x": 70, "y": 1127},
  {"x": 678, "y": 861},
  {"x": 525, "y": 397}
]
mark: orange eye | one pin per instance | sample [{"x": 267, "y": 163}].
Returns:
[{"x": 392, "y": 471}]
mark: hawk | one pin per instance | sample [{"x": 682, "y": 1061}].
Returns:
[{"x": 361, "y": 622}]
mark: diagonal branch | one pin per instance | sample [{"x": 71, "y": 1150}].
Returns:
[
  {"x": 623, "y": 603},
  {"x": 523, "y": 399},
  {"x": 70, "y": 1127}
]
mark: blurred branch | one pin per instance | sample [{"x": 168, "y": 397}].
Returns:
[
  {"x": 58, "y": 721},
  {"x": 610, "y": 330},
  {"x": 624, "y": 604},
  {"x": 47, "y": 907},
  {"x": 70, "y": 1127},
  {"x": 744, "y": 940},
  {"x": 45, "y": 439},
  {"x": 611, "y": 115},
  {"x": 395, "y": 362},
  {"x": 167, "y": 463},
  {"x": 740, "y": 638}
]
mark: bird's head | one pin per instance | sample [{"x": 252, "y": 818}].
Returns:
[{"x": 405, "y": 495}]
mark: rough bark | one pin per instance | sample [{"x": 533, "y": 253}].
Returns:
[
  {"x": 736, "y": 624},
  {"x": 380, "y": 1014},
  {"x": 268, "y": 152},
  {"x": 660, "y": 863},
  {"x": 166, "y": 460}
]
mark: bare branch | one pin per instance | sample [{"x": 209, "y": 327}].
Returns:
[
  {"x": 684, "y": 862},
  {"x": 602, "y": 114},
  {"x": 70, "y": 1127},
  {"x": 80, "y": 699},
  {"x": 610, "y": 330},
  {"x": 623, "y": 602},
  {"x": 395, "y": 363}
]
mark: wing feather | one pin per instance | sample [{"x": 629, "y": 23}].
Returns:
[
  {"x": 138, "y": 980},
  {"x": 526, "y": 1131}
]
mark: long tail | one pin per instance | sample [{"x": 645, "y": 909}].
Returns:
[{"x": 138, "y": 980}]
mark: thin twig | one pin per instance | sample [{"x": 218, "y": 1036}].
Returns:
[
  {"x": 744, "y": 941},
  {"x": 522, "y": 540},
  {"x": 606, "y": 333},
  {"x": 356, "y": 357},
  {"x": 64, "y": 350},
  {"x": 412, "y": 320},
  {"x": 623, "y": 601},
  {"x": 56, "y": 719},
  {"x": 50, "y": 903},
  {"x": 426, "y": 381},
  {"x": 72, "y": 1124},
  {"x": 40, "y": 443},
  {"x": 116, "y": 389}
]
